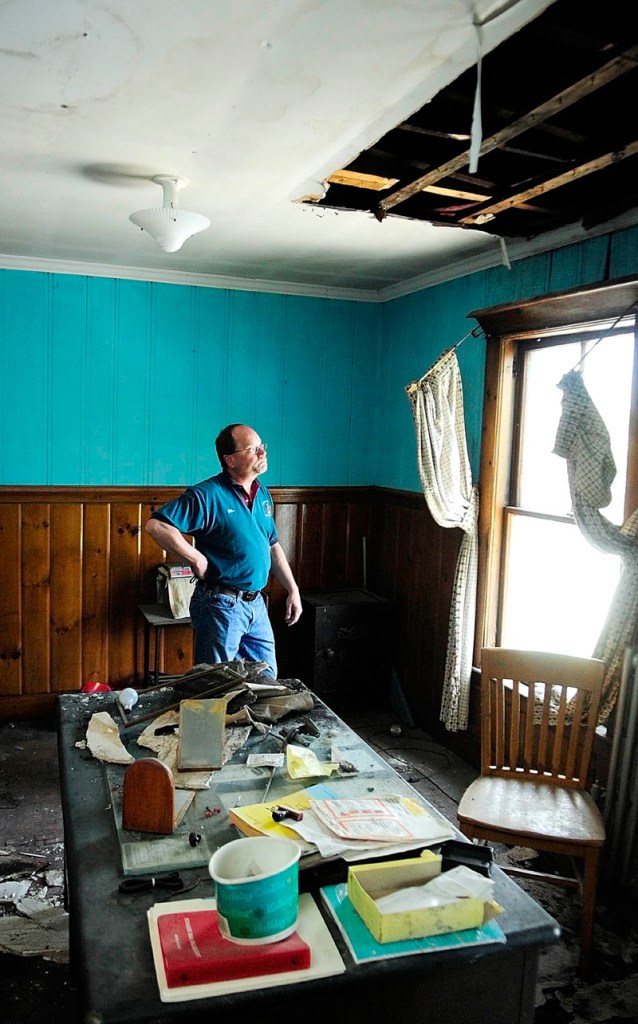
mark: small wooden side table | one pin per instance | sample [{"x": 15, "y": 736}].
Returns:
[{"x": 158, "y": 617}]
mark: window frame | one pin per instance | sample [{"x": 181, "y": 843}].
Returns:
[{"x": 505, "y": 327}]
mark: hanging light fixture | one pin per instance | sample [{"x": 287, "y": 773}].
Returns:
[{"x": 170, "y": 226}]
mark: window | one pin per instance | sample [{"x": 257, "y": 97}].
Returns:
[
  {"x": 541, "y": 583},
  {"x": 541, "y": 541}
]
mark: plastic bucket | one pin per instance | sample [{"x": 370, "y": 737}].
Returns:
[{"x": 256, "y": 888}]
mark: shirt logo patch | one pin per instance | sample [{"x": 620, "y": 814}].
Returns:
[
  {"x": 229, "y": 510},
  {"x": 267, "y": 508}
]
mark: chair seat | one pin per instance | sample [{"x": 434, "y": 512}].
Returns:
[{"x": 536, "y": 809}]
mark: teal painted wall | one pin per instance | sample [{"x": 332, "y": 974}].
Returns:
[
  {"x": 418, "y": 328},
  {"x": 110, "y": 382},
  {"x": 107, "y": 382}
]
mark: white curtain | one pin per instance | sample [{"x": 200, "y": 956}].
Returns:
[
  {"x": 444, "y": 468},
  {"x": 583, "y": 440}
]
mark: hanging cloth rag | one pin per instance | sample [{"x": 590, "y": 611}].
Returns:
[{"x": 583, "y": 441}]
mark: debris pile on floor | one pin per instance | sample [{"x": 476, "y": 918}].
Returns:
[{"x": 33, "y": 921}]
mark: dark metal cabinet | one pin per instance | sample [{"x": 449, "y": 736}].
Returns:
[{"x": 343, "y": 650}]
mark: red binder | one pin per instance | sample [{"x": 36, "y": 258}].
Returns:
[{"x": 195, "y": 952}]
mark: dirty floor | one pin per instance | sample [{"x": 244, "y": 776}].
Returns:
[{"x": 35, "y": 981}]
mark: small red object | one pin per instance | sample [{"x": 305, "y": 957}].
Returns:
[
  {"x": 290, "y": 812},
  {"x": 95, "y": 688}
]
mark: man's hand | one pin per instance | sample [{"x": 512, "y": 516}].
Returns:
[
  {"x": 198, "y": 563},
  {"x": 171, "y": 540},
  {"x": 293, "y": 608},
  {"x": 283, "y": 572}
]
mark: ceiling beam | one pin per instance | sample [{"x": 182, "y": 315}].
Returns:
[
  {"x": 359, "y": 179},
  {"x": 490, "y": 210},
  {"x": 456, "y": 193},
  {"x": 453, "y": 136},
  {"x": 624, "y": 62}
]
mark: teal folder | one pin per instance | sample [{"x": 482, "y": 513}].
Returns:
[{"x": 363, "y": 945}]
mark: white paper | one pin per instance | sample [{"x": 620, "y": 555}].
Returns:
[
  {"x": 393, "y": 819},
  {"x": 265, "y": 760},
  {"x": 313, "y": 829}
]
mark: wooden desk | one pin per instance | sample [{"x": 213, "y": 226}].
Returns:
[
  {"x": 110, "y": 949},
  {"x": 158, "y": 617}
]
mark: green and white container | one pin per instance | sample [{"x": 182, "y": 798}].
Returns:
[{"x": 256, "y": 888}]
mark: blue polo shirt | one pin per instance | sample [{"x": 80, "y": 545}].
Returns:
[{"x": 236, "y": 540}]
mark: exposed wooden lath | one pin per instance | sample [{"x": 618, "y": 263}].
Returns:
[
  {"x": 560, "y": 138},
  {"x": 564, "y": 99},
  {"x": 551, "y": 183}
]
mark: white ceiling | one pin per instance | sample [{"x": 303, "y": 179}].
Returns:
[{"x": 255, "y": 102}]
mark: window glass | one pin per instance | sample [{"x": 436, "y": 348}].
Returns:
[
  {"x": 556, "y": 587},
  {"x": 606, "y": 369},
  {"x": 542, "y": 484},
  {"x": 607, "y": 372}
]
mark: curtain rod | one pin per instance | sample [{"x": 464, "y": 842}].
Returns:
[
  {"x": 474, "y": 333},
  {"x": 605, "y": 334}
]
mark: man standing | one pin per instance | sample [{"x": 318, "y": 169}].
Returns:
[{"x": 231, "y": 518}]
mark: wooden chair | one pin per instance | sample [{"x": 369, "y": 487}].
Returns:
[{"x": 538, "y": 718}]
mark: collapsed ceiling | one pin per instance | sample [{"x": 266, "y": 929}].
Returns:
[{"x": 559, "y": 135}]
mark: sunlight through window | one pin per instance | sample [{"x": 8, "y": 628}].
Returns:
[{"x": 556, "y": 587}]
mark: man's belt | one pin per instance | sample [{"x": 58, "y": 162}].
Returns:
[{"x": 221, "y": 588}]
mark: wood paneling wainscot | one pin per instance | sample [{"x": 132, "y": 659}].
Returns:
[
  {"x": 78, "y": 562},
  {"x": 413, "y": 565}
]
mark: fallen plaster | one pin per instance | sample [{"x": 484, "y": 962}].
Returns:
[
  {"x": 13, "y": 891},
  {"x": 103, "y": 740},
  {"x": 33, "y": 921},
  {"x": 37, "y": 929}
]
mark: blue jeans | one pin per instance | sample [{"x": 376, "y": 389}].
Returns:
[{"x": 228, "y": 629}]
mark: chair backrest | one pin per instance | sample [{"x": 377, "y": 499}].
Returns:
[{"x": 539, "y": 713}]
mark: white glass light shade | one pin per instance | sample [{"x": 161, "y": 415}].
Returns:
[{"x": 169, "y": 227}]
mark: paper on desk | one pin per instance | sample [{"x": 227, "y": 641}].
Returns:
[
  {"x": 257, "y": 819},
  {"x": 424, "y": 830},
  {"x": 303, "y": 763},
  {"x": 394, "y": 819},
  {"x": 311, "y": 830},
  {"x": 265, "y": 760}
]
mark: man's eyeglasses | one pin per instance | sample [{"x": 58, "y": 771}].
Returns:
[{"x": 252, "y": 448}]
